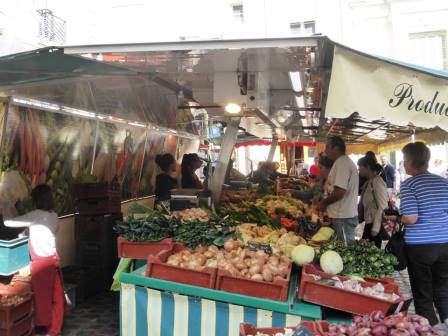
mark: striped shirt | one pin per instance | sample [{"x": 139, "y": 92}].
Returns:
[{"x": 426, "y": 196}]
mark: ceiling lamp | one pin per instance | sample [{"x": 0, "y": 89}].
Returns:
[{"x": 232, "y": 108}]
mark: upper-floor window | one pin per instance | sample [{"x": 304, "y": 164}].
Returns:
[
  {"x": 429, "y": 49},
  {"x": 303, "y": 28},
  {"x": 238, "y": 12}
]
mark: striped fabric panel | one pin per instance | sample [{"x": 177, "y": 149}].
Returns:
[{"x": 149, "y": 312}]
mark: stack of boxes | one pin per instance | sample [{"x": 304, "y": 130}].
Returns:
[{"x": 98, "y": 208}]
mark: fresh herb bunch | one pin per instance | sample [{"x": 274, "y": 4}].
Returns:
[{"x": 363, "y": 259}]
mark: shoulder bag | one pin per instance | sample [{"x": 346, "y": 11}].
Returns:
[{"x": 396, "y": 247}]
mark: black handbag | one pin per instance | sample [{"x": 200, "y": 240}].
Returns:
[{"x": 396, "y": 247}]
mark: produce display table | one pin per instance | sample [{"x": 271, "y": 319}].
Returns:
[{"x": 150, "y": 306}]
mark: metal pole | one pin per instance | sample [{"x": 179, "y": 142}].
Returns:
[
  {"x": 143, "y": 159},
  {"x": 228, "y": 143},
  {"x": 2, "y": 136},
  {"x": 272, "y": 149},
  {"x": 94, "y": 146}
]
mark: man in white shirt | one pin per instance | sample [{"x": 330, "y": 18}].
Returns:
[{"x": 341, "y": 202}]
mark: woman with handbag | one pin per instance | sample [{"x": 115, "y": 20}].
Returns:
[
  {"x": 424, "y": 206},
  {"x": 373, "y": 201}
]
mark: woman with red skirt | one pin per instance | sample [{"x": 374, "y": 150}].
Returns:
[{"x": 46, "y": 276}]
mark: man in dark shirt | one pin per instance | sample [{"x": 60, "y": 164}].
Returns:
[{"x": 389, "y": 171}]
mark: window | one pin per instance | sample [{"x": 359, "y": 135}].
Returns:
[
  {"x": 238, "y": 12},
  {"x": 303, "y": 28},
  {"x": 309, "y": 27},
  {"x": 296, "y": 28},
  {"x": 429, "y": 49}
]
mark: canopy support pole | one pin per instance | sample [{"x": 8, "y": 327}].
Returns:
[
  {"x": 272, "y": 149},
  {"x": 228, "y": 144},
  {"x": 3, "y": 134}
]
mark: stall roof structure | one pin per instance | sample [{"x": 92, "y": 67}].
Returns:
[{"x": 296, "y": 85}]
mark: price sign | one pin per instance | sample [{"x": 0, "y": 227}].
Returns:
[{"x": 254, "y": 246}]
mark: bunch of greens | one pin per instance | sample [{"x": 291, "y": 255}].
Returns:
[
  {"x": 247, "y": 214},
  {"x": 363, "y": 259}
]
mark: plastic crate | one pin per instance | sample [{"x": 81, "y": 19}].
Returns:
[
  {"x": 16, "y": 285},
  {"x": 97, "y": 253},
  {"x": 99, "y": 227},
  {"x": 10, "y": 315},
  {"x": 99, "y": 206},
  {"x": 247, "y": 329},
  {"x": 141, "y": 250},
  {"x": 14, "y": 255},
  {"x": 96, "y": 190},
  {"x": 157, "y": 268},
  {"x": 329, "y": 296},
  {"x": 276, "y": 290},
  {"x": 24, "y": 327}
]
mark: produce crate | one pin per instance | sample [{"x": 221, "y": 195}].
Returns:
[
  {"x": 16, "y": 285},
  {"x": 157, "y": 268},
  {"x": 141, "y": 250},
  {"x": 276, "y": 290},
  {"x": 14, "y": 255},
  {"x": 247, "y": 329},
  {"x": 96, "y": 190},
  {"x": 99, "y": 227},
  {"x": 97, "y": 253},
  {"x": 99, "y": 206},
  {"x": 11, "y": 315},
  {"x": 23, "y": 327},
  {"x": 356, "y": 303}
]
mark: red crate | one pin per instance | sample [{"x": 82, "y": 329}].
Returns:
[
  {"x": 10, "y": 315},
  {"x": 96, "y": 190},
  {"x": 276, "y": 290},
  {"x": 17, "y": 285},
  {"x": 99, "y": 206},
  {"x": 323, "y": 327},
  {"x": 157, "y": 268},
  {"x": 325, "y": 295},
  {"x": 247, "y": 329},
  {"x": 98, "y": 227},
  {"x": 141, "y": 250},
  {"x": 24, "y": 327}
]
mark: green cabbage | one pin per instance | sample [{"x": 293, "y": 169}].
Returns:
[
  {"x": 331, "y": 262},
  {"x": 302, "y": 254}
]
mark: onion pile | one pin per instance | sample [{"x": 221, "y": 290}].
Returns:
[
  {"x": 189, "y": 215},
  {"x": 238, "y": 261},
  {"x": 378, "y": 325},
  {"x": 10, "y": 300}
]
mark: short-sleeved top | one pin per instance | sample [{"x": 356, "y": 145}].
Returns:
[
  {"x": 389, "y": 171},
  {"x": 425, "y": 195},
  {"x": 164, "y": 185},
  {"x": 344, "y": 174}
]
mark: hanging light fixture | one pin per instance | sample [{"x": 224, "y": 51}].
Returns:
[{"x": 232, "y": 108}]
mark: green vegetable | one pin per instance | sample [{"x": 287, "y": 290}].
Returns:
[
  {"x": 302, "y": 254},
  {"x": 331, "y": 262}
]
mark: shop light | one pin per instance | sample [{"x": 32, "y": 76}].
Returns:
[
  {"x": 78, "y": 112},
  {"x": 232, "y": 108},
  {"x": 36, "y": 103},
  {"x": 136, "y": 124}
]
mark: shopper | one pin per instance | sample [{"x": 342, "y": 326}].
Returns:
[
  {"x": 316, "y": 192},
  {"x": 274, "y": 167},
  {"x": 166, "y": 180},
  {"x": 373, "y": 201},
  {"x": 263, "y": 174},
  {"x": 314, "y": 169},
  {"x": 46, "y": 275},
  {"x": 341, "y": 201},
  {"x": 191, "y": 163},
  {"x": 424, "y": 204},
  {"x": 389, "y": 172}
]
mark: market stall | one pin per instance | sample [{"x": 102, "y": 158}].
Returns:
[{"x": 205, "y": 271}]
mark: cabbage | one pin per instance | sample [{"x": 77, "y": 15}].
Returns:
[
  {"x": 331, "y": 262},
  {"x": 302, "y": 254}
]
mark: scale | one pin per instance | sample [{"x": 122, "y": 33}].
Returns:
[{"x": 189, "y": 198}]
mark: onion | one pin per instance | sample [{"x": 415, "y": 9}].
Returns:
[
  {"x": 248, "y": 275},
  {"x": 248, "y": 262},
  {"x": 244, "y": 272},
  {"x": 257, "y": 277},
  {"x": 240, "y": 265},
  {"x": 274, "y": 260},
  {"x": 209, "y": 254},
  {"x": 201, "y": 259},
  {"x": 229, "y": 245},
  {"x": 267, "y": 275},
  {"x": 260, "y": 255},
  {"x": 213, "y": 249},
  {"x": 250, "y": 253},
  {"x": 254, "y": 269},
  {"x": 236, "y": 260},
  {"x": 201, "y": 249},
  {"x": 173, "y": 262}
]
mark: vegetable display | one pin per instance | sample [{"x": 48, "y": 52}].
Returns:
[
  {"x": 192, "y": 214},
  {"x": 286, "y": 332},
  {"x": 238, "y": 261},
  {"x": 363, "y": 259},
  {"x": 378, "y": 325}
]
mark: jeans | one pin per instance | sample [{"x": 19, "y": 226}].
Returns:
[
  {"x": 345, "y": 228},
  {"x": 428, "y": 272}
]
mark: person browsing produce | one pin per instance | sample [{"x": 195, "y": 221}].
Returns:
[
  {"x": 191, "y": 163},
  {"x": 341, "y": 201},
  {"x": 165, "y": 182},
  {"x": 424, "y": 205},
  {"x": 46, "y": 275},
  {"x": 316, "y": 192},
  {"x": 373, "y": 201}
]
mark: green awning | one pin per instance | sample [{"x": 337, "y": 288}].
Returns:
[{"x": 51, "y": 63}]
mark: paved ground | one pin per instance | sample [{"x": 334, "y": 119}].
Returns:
[{"x": 98, "y": 316}]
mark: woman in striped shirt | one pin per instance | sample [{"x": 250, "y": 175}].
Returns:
[{"x": 424, "y": 210}]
